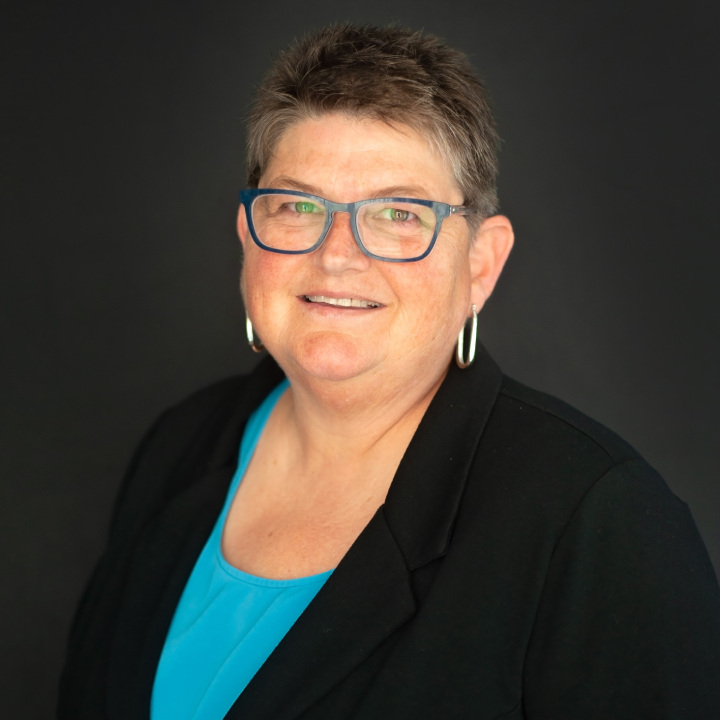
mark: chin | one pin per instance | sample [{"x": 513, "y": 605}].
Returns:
[{"x": 331, "y": 356}]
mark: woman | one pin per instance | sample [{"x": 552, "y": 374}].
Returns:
[{"x": 406, "y": 533}]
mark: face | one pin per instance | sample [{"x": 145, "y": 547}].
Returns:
[{"x": 336, "y": 314}]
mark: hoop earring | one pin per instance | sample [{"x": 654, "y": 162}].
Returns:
[
  {"x": 254, "y": 343},
  {"x": 462, "y": 361}
]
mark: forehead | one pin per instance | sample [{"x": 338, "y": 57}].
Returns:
[{"x": 346, "y": 159}]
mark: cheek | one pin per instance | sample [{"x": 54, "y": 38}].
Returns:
[
  {"x": 447, "y": 280},
  {"x": 436, "y": 297},
  {"x": 262, "y": 274}
]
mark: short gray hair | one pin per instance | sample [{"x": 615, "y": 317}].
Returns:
[{"x": 391, "y": 74}]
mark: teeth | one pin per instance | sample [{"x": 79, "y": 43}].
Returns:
[{"x": 342, "y": 302}]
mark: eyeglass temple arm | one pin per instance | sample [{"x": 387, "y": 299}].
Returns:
[{"x": 462, "y": 210}]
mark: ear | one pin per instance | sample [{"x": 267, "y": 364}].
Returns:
[
  {"x": 243, "y": 233},
  {"x": 490, "y": 249},
  {"x": 242, "y": 226}
]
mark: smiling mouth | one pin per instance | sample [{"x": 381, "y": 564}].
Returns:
[{"x": 341, "y": 302}]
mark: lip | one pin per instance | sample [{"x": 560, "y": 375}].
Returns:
[{"x": 339, "y": 300}]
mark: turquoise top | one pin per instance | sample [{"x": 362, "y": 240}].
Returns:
[{"x": 227, "y": 622}]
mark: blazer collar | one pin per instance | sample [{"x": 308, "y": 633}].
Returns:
[{"x": 370, "y": 593}]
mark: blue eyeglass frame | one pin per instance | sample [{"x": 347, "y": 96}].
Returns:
[{"x": 441, "y": 210}]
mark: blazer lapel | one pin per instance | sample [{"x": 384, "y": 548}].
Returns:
[
  {"x": 168, "y": 546},
  {"x": 370, "y": 594},
  {"x": 425, "y": 495},
  {"x": 153, "y": 589},
  {"x": 364, "y": 601}
]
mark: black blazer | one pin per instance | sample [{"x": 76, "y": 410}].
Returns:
[{"x": 527, "y": 563}]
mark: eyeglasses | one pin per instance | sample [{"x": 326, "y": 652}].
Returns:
[{"x": 388, "y": 229}]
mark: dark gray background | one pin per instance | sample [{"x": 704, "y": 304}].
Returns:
[{"x": 121, "y": 160}]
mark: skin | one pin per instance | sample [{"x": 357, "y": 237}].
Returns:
[{"x": 361, "y": 377}]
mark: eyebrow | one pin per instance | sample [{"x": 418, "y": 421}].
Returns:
[{"x": 417, "y": 192}]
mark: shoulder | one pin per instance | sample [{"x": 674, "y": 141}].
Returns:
[
  {"x": 204, "y": 415},
  {"x": 224, "y": 396},
  {"x": 190, "y": 439},
  {"x": 564, "y": 482},
  {"x": 542, "y": 418},
  {"x": 622, "y": 575},
  {"x": 608, "y": 558},
  {"x": 562, "y": 453},
  {"x": 179, "y": 422},
  {"x": 548, "y": 469}
]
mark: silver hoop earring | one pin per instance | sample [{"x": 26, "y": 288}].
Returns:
[
  {"x": 254, "y": 343},
  {"x": 462, "y": 361}
]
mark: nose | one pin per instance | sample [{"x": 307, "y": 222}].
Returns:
[{"x": 340, "y": 250}]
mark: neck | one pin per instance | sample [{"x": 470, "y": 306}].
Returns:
[{"x": 341, "y": 429}]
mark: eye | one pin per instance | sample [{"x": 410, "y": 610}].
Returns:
[
  {"x": 304, "y": 207},
  {"x": 396, "y": 215}
]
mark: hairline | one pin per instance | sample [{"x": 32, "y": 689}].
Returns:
[{"x": 291, "y": 117}]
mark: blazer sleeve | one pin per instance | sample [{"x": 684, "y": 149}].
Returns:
[
  {"x": 79, "y": 694},
  {"x": 628, "y": 624}
]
